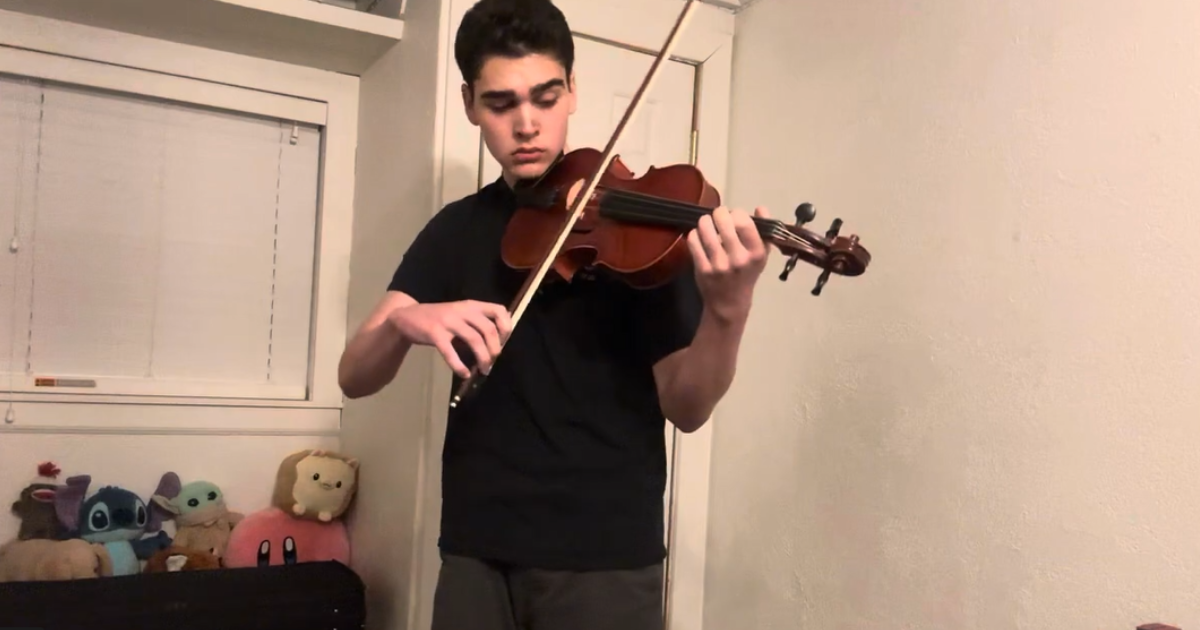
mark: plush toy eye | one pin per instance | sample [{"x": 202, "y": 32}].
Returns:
[
  {"x": 289, "y": 550},
  {"x": 264, "y": 553},
  {"x": 212, "y": 496},
  {"x": 99, "y": 519},
  {"x": 193, "y": 502},
  {"x": 339, "y": 484},
  {"x": 316, "y": 476},
  {"x": 141, "y": 516}
]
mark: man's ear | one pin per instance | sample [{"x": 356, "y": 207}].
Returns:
[
  {"x": 572, "y": 92},
  {"x": 468, "y": 104}
]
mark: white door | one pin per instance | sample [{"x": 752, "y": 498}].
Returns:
[{"x": 660, "y": 134}]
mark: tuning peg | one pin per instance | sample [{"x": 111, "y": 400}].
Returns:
[
  {"x": 834, "y": 228},
  {"x": 824, "y": 277},
  {"x": 789, "y": 266},
  {"x": 805, "y": 213}
]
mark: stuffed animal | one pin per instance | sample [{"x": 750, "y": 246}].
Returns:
[
  {"x": 35, "y": 508},
  {"x": 202, "y": 520},
  {"x": 273, "y": 537},
  {"x": 315, "y": 484},
  {"x": 40, "y": 559},
  {"x": 114, "y": 517},
  {"x": 176, "y": 558}
]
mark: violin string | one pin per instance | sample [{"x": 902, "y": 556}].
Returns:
[
  {"x": 688, "y": 214},
  {"x": 655, "y": 215},
  {"x": 658, "y": 210},
  {"x": 690, "y": 211}
]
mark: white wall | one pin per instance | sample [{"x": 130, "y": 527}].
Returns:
[
  {"x": 995, "y": 427},
  {"x": 397, "y": 190}
]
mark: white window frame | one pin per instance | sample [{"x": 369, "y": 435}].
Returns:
[
  {"x": 42, "y": 48},
  {"x": 707, "y": 39}
]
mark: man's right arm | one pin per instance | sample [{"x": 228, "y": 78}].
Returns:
[
  {"x": 423, "y": 306},
  {"x": 375, "y": 353},
  {"x": 377, "y": 349}
]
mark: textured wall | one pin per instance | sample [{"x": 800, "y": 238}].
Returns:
[{"x": 996, "y": 427}]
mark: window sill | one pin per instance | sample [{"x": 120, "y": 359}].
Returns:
[
  {"x": 165, "y": 417},
  {"x": 8, "y": 395}
]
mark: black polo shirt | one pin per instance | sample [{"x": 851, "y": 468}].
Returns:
[{"x": 558, "y": 461}]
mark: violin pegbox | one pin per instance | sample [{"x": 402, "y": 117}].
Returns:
[{"x": 832, "y": 253}]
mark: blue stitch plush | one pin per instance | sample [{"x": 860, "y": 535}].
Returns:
[{"x": 113, "y": 517}]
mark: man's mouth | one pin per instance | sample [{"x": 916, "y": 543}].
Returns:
[{"x": 527, "y": 155}]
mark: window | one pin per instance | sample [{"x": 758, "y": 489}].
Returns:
[{"x": 153, "y": 247}]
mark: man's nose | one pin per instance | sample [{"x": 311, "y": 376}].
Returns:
[{"x": 526, "y": 122}]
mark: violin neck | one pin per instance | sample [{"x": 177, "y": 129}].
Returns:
[{"x": 630, "y": 207}]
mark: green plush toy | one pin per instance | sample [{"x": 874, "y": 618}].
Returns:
[{"x": 202, "y": 520}]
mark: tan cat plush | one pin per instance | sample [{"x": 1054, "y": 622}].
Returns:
[{"x": 316, "y": 485}]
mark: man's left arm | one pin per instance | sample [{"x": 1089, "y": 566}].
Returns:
[
  {"x": 693, "y": 380},
  {"x": 729, "y": 256}
]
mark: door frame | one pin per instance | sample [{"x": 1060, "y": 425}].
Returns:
[{"x": 707, "y": 42}]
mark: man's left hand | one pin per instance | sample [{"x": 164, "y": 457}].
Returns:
[{"x": 729, "y": 256}]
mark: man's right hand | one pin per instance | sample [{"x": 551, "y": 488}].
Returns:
[{"x": 482, "y": 325}]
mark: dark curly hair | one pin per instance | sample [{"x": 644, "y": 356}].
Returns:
[{"x": 512, "y": 29}]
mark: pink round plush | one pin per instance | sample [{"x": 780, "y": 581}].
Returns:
[{"x": 273, "y": 537}]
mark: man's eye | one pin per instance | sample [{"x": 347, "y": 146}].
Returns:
[
  {"x": 548, "y": 102},
  {"x": 500, "y": 107}
]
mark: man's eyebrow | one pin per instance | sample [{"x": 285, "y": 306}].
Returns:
[
  {"x": 497, "y": 95},
  {"x": 547, "y": 86}
]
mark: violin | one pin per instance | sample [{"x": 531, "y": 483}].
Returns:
[
  {"x": 637, "y": 227},
  {"x": 590, "y": 210}
]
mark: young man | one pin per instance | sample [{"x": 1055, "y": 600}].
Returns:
[{"x": 554, "y": 472}]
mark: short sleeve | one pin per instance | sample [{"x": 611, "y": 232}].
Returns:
[
  {"x": 427, "y": 271},
  {"x": 666, "y": 318}
]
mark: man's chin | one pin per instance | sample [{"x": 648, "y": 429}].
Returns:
[{"x": 529, "y": 170}]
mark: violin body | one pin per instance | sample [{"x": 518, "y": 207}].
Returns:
[{"x": 645, "y": 254}]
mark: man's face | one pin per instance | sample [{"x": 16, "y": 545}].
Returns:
[{"x": 522, "y": 106}]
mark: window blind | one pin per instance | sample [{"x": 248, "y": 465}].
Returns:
[{"x": 152, "y": 247}]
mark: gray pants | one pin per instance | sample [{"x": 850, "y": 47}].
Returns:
[{"x": 477, "y": 595}]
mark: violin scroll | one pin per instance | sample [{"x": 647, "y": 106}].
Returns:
[{"x": 831, "y": 253}]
